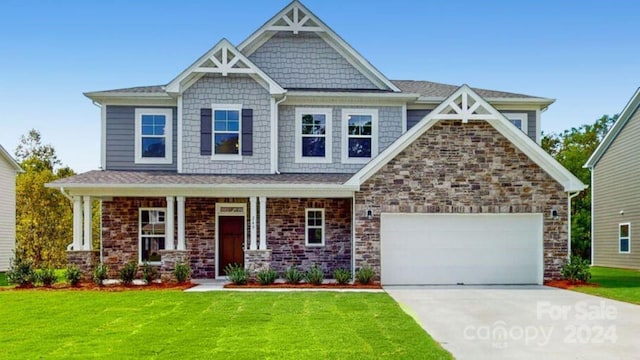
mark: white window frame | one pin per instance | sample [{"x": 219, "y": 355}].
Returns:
[
  {"x": 523, "y": 117},
  {"x": 307, "y": 227},
  {"x": 140, "y": 235},
  {"x": 327, "y": 112},
  {"x": 345, "y": 135},
  {"x": 168, "y": 135},
  {"x": 226, "y": 107},
  {"x": 620, "y": 238}
]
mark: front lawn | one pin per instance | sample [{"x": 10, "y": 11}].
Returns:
[
  {"x": 218, "y": 325},
  {"x": 617, "y": 284}
]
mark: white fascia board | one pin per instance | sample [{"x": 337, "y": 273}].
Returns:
[
  {"x": 543, "y": 103},
  {"x": 10, "y": 160},
  {"x": 135, "y": 101},
  {"x": 625, "y": 115}
]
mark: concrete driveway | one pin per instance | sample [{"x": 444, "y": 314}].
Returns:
[{"x": 523, "y": 322}]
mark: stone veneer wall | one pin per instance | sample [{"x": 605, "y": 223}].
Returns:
[
  {"x": 286, "y": 234},
  {"x": 85, "y": 260},
  {"x": 461, "y": 168}
]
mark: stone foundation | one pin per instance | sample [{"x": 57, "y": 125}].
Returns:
[
  {"x": 169, "y": 259},
  {"x": 257, "y": 260},
  {"x": 85, "y": 260}
]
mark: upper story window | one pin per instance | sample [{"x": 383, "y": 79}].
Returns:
[
  {"x": 153, "y": 136},
  {"x": 359, "y": 135},
  {"x": 520, "y": 120},
  {"x": 624, "y": 238},
  {"x": 152, "y": 234},
  {"x": 313, "y": 135},
  {"x": 227, "y": 130}
]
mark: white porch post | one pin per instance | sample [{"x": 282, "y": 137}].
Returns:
[
  {"x": 181, "y": 240},
  {"x": 77, "y": 223},
  {"x": 252, "y": 222},
  {"x": 87, "y": 239},
  {"x": 263, "y": 223},
  {"x": 169, "y": 233}
]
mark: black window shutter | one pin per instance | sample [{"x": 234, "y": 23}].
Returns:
[
  {"x": 247, "y": 132},
  {"x": 205, "y": 132}
]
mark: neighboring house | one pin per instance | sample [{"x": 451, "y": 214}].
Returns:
[
  {"x": 9, "y": 168},
  {"x": 615, "y": 192},
  {"x": 291, "y": 149}
]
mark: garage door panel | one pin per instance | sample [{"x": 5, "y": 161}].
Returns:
[{"x": 470, "y": 248}]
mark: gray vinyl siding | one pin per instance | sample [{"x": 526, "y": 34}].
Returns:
[
  {"x": 532, "y": 131},
  {"x": 7, "y": 213},
  {"x": 120, "y": 138},
  {"x": 305, "y": 60},
  {"x": 232, "y": 89},
  {"x": 389, "y": 129},
  {"x": 414, "y": 116},
  {"x": 615, "y": 188}
]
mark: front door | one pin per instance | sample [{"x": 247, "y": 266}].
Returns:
[{"x": 231, "y": 242}]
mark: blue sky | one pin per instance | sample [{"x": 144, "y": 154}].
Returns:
[{"x": 582, "y": 53}]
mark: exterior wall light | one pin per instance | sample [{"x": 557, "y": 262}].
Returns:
[
  {"x": 554, "y": 214},
  {"x": 370, "y": 214}
]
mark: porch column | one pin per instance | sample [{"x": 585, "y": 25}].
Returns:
[
  {"x": 252, "y": 221},
  {"x": 87, "y": 239},
  {"x": 263, "y": 223},
  {"x": 181, "y": 240},
  {"x": 169, "y": 223},
  {"x": 77, "y": 223}
]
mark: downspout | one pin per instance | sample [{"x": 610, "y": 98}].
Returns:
[
  {"x": 571, "y": 196},
  {"x": 353, "y": 237},
  {"x": 275, "y": 139}
]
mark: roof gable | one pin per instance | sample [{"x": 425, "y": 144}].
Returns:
[
  {"x": 223, "y": 59},
  {"x": 9, "y": 160},
  {"x": 296, "y": 18},
  {"x": 612, "y": 134},
  {"x": 465, "y": 104}
]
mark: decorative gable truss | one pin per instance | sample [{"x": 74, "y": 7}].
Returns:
[
  {"x": 465, "y": 104},
  {"x": 223, "y": 59},
  {"x": 295, "y": 20}
]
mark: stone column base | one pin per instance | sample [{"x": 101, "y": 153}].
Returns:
[
  {"x": 85, "y": 260},
  {"x": 169, "y": 259},
  {"x": 257, "y": 260}
]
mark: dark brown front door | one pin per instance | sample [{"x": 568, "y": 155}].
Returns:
[{"x": 231, "y": 241}]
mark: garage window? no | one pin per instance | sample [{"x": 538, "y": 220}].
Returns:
[{"x": 314, "y": 227}]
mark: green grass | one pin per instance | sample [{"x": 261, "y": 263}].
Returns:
[
  {"x": 3, "y": 279},
  {"x": 617, "y": 284},
  {"x": 217, "y": 325}
]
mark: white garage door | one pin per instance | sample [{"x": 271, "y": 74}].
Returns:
[{"x": 461, "y": 249}]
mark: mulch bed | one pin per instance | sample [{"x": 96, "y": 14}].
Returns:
[
  {"x": 566, "y": 284},
  {"x": 255, "y": 285},
  {"x": 90, "y": 286}
]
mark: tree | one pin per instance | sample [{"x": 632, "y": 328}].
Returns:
[
  {"x": 572, "y": 149},
  {"x": 44, "y": 216}
]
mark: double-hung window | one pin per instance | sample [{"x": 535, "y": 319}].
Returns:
[
  {"x": 227, "y": 130},
  {"x": 153, "y": 132},
  {"x": 314, "y": 228},
  {"x": 624, "y": 238},
  {"x": 313, "y": 135},
  {"x": 152, "y": 234},
  {"x": 359, "y": 135}
]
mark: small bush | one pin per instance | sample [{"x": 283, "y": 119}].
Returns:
[
  {"x": 293, "y": 275},
  {"x": 342, "y": 276},
  {"x": 21, "y": 270},
  {"x": 100, "y": 273},
  {"x": 73, "y": 275},
  {"x": 237, "y": 274},
  {"x": 149, "y": 273},
  {"x": 365, "y": 275},
  {"x": 577, "y": 269},
  {"x": 181, "y": 272},
  {"x": 128, "y": 272},
  {"x": 45, "y": 276},
  {"x": 266, "y": 277},
  {"x": 314, "y": 275}
]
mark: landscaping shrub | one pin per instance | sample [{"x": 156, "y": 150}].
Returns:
[
  {"x": 577, "y": 269},
  {"x": 181, "y": 272},
  {"x": 100, "y": 273},
  {"x": 128, "y": 272},
  {"x": 266, "y": 277},
  {"x": 21, "y": 270},
  {"x": 45, "y": 276},
  {"x": 314, "y": 275},
  {"x": 365, "y": 275},
  {"x": 342, "y": 276},
  {"x": 237, "y": 274},
  {"x": 293, "y": 276},
  {"x": 149, "y": 273},
  {"x": 73, "y": 275}
]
